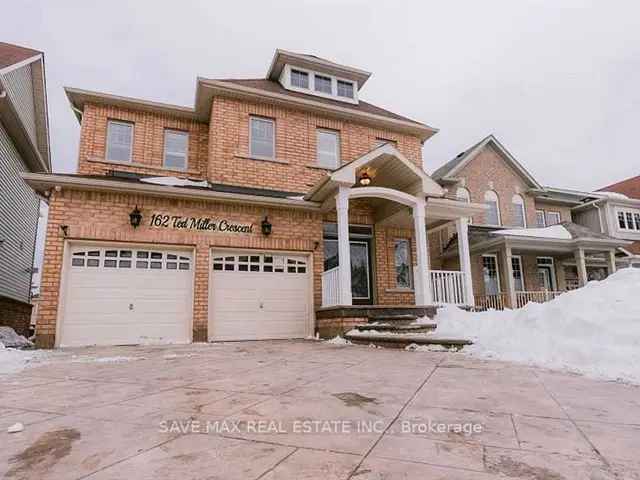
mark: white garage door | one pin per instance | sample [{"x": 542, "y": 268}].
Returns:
[
  {"x": 257, "y": 296},
  {"x": 121, "y": 296}
]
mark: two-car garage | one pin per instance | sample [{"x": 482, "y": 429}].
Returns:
[{"x": 121, "y": 294}]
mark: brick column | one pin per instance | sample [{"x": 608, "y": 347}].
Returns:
[{"x": 201, "y": 294}]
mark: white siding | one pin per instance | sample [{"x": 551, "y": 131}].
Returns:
[
  {"x": 19, "y": 85},
  {"x": 18, "y": 223}
]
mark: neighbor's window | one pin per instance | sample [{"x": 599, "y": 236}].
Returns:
[
  {"x": 119, "y": 141},
  {"x": 262, "y": 138},
  {"x": 345, "y": 89},
  {"x": 553, "y": 218},
  {"x": 403, "y": 263},
  {"x": 519, "y": 216},
  {"x": 328, "y": 149},
  {"x": 322, "y": 84},
  {"x": 299, "y": 79},
  {"x": 540, "y": 221},
  {"x": 176, "y": 146},
  {"x": 493, "y": 212},
  {"x": 629, "y": 220},
  {"x": 516, "y": 265}
]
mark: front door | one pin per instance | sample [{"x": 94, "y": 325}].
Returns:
[
  {"x": 360, "y": 267},
  {"x": 544, "y": 278}
]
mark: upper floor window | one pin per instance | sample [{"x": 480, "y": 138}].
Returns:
[
  {"x": 328, "y": 149},
  {"x": 403, "y": 263},
  {"x": 262, "y": 139},
  {"x": 322, "y": 84},
  {"x": 345, "y": 89},
  {"x": 493, "y": 212},
  {"x": 629, "y": 220},
  {"x": 176, "y": 146},
  {"x": 519, "y": 215},
  {"x": 299, "y": 79},
  {"x": 540, "y": 221},
  {"x": 119, "y": 141},
  {"x": 553, "y": 218}
]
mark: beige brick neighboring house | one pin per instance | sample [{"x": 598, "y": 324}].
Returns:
[
  {"x": 225, "y": 221},
  {"x": 526, "y": 247}
]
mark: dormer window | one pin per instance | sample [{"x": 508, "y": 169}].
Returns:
[
  {"x": 299, "y": 79},
  {"x": 345, "y": 89},
  {"x": 322, "y": 84}
]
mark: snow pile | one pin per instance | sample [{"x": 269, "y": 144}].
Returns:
[
  {"x": 175, "y": 182},
  {"x": 338, "y": 340},
  {"x": 594, "y": 330},
  {"x": 13, "y": 361},
  {"x": 9, "y": 338},
  {"x": 557, "y": 232}
]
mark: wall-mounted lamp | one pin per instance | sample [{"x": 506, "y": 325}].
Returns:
[
  {"x": 266, "y": 226},
  {"x": 135, "y": 217},
  {"x": 65, "y": 230}
]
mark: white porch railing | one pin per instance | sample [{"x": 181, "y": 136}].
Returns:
[
  {"x": 522, "y": 298},
  {"x": 448, "y": 287},
  {"x": 330, "y": 287},
  {"x": 490, "y": 302}
]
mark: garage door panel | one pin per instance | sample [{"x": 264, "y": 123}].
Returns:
[
  {"x": 117, "y": 295},
  {"x": 257, "y": 295}
]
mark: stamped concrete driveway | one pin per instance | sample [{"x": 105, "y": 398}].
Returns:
[{"x": 307, "y": 410}]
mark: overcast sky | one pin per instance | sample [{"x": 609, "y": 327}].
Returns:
[{"x": 558, "y": 82}]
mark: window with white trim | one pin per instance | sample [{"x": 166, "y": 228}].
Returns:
[
  {"x": 328, "y": 149},
  {"x": 119, "y": 141},
  {"x": 113, "y": 258},
  {"x": 463, "y": 195},
  {"x": 553, "y": 218},
  {"x": 176, "y": 147},
  {"x": 322, "y": 84},
  {"x": 299, "y": 78},
  {"x": 628, "y": 220},
  {"x": 490, "y": 275},
  {"x": 516, "y": 266},
  {"x": 256, "y": 263},
  {"x": 540, "y": 221},
  {"x": 402, "y": 250},
  {"x": 345, "y": 89},
  {"x": 493, "y": 211},
  {"x": 519, "y": 213},
  {"x": 262, "y": 137}
]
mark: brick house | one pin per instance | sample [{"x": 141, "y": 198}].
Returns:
[
  {"x": 532, "y": 242},
  {"x": 24, "y": 147},
  {"x": 226, "y": 220}
]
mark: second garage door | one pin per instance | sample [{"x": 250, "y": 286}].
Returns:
[{"x": 257, "y": 296}]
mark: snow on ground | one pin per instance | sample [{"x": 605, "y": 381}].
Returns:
[
  {"x": 338, "y": 340},
  {"x": 12, "y": 360},
  {"x": 594, "y": 330},
  {"x": 116, "y": 359}
]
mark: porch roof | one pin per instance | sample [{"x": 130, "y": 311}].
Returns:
[{"x": 562, "y": 238}]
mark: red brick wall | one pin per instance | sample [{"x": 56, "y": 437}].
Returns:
[
  {"x": 16, "y": 315},
  {"x": 148, "y": 142},
  {"x": 295, "y": 168}
]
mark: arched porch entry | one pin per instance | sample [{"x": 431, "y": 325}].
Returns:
[{"x": 401, "y": 196}]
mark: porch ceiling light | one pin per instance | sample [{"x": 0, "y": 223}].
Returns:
[
  {"x": 364, "y": 179},
  {"x": 135, "y": 217}
]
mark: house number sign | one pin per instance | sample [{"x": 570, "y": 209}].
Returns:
[{"x": 208, "y": 224}]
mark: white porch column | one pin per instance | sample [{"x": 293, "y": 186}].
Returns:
[
  {"x": 611, "y": 261},
  {"x": 344, "y": 249},
  {"x": 462, "y": 229},
  {"x": 582, "y": 267},
  {"x": 508, "y": 267},
  {"x": 423, "y": 286}
]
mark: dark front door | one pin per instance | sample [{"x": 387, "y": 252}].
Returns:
[{"x": 361, "y": 285}]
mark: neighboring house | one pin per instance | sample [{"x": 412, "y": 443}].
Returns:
[
  {"x": 617, "y": 213},
  {"x": 277, "y": 207},
  {"x": 525, "y": 246},
  {"x": 24, "y": 147}
]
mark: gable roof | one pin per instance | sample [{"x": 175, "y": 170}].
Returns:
[
  {"x": 11, "y": 54},
  {"x": 629, "y": 187},
  {"x": 448, "y": 171}
]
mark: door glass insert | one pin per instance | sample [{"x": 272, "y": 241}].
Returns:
[{"x": 490, "y": 274}]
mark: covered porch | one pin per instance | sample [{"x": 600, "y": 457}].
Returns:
[
  {"x": 377, "y": 211},
  {"x": 514, "y": 267}
]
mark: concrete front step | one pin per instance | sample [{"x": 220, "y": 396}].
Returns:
[
  {"x": 404, "y": 340},
  {"x": 397, "y": 319},
  {"x": 395, "y": 328}
]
